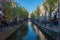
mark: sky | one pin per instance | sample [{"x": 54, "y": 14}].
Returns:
[{"x": 30, "y": 5}]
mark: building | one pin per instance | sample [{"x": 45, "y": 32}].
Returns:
[
  {"x": 7, "y": 0},
  {"x": 2, "y": 5},
  {"x": 58, "y": 13},
  {"x": 59, "y": 10},
  {"x": 43, "y": 15},
  {"x": 42, "y": 12}
]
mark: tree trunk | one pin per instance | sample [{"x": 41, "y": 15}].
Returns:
[
  {"x": 45, "y": 18},
  {"x": 50, "y": 14}
]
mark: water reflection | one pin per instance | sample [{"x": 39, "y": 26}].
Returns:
[
  {"x": 27, "y": 31},
  {"x": 20, "y": 33},
  {"x": 31, "y": 35},
  {"x": 39, "y": 34}
]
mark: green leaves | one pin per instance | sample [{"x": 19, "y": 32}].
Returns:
[
  {"x": 46, "y": 6},
  {"x": 22, "y": 12},
  {"x": 32, "y": 15},
  {"x": 38, "y": 11},
  {"x": 52, "y": 4}
]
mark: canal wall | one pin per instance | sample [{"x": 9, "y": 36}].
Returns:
[
  {"x": 54, "y": 35},
  {"x": 5, "y": 34}
]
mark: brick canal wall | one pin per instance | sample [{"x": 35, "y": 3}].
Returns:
[
  {"x": 6, "y": 34},
  {"x": 10, "y": 31}
]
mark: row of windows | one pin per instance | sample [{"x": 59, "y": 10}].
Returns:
[
  {"x": 1, "y": 2},
  {"x": 0, "y": 5},
  {"x": 0, "y": 9}
]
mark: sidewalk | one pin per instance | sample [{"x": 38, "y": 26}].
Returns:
[
  {"x": 11, "y": 26},
  {"x": 6, "y": 28},
  {"x": 50, "y": 27}
]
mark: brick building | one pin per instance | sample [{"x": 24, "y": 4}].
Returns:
[
  {"x": 7, "y": 0},
  {"x": 2, "y": 5}
]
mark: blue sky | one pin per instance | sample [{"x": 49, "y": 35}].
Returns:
[{"x": 30, "y": 5}]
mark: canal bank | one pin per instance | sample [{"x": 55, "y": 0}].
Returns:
[
  {"x": 50, "y": 34},
  {"x": 28, "y": 31},
  {"x": 9, "y": 31}
]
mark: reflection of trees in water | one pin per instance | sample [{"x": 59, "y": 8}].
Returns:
[
  {"x": 38, "y": 32},
  {"x": 32, "y": 24},
  {"x": 12, "y": 36},
  {"x": 41, "y": 35},
  {"x": 20, "y": 33},
  {"x": 24, "y": 29},
  {"x": 33, "y": 27}
]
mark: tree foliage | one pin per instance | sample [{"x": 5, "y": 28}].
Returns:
[
  {"x": 46, "y": 7},
  {"x": 38, "y": 11},
  {"x": 20, "y": 11},
  {"x": 10, "y": 10},
  {"x": 51, "y": 4}
]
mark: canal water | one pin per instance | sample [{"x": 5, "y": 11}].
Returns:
[{"x": 28, "y": 31}]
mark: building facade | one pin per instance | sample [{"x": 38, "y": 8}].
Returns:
[
  {"x": 7, "y": 0},
  {"x": 43, "y": 15},
  {"x": 2, "y": 5}
]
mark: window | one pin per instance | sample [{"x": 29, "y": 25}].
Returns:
[
  {"x": 1, "y": 2},
  {"x": 0, "y": 9}
]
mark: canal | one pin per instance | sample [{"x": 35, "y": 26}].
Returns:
[{"x": 28, "y": 31}]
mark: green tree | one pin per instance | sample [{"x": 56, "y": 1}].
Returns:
[
  {"x": 46, "y": 7},
  {"x": 33, "y": 16},
  {"x": 22, "y": 12},
  {"x": 52, "y": 5},
  {"x": 10, "y": 10},
  {"x": 38, "y": 11}
]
